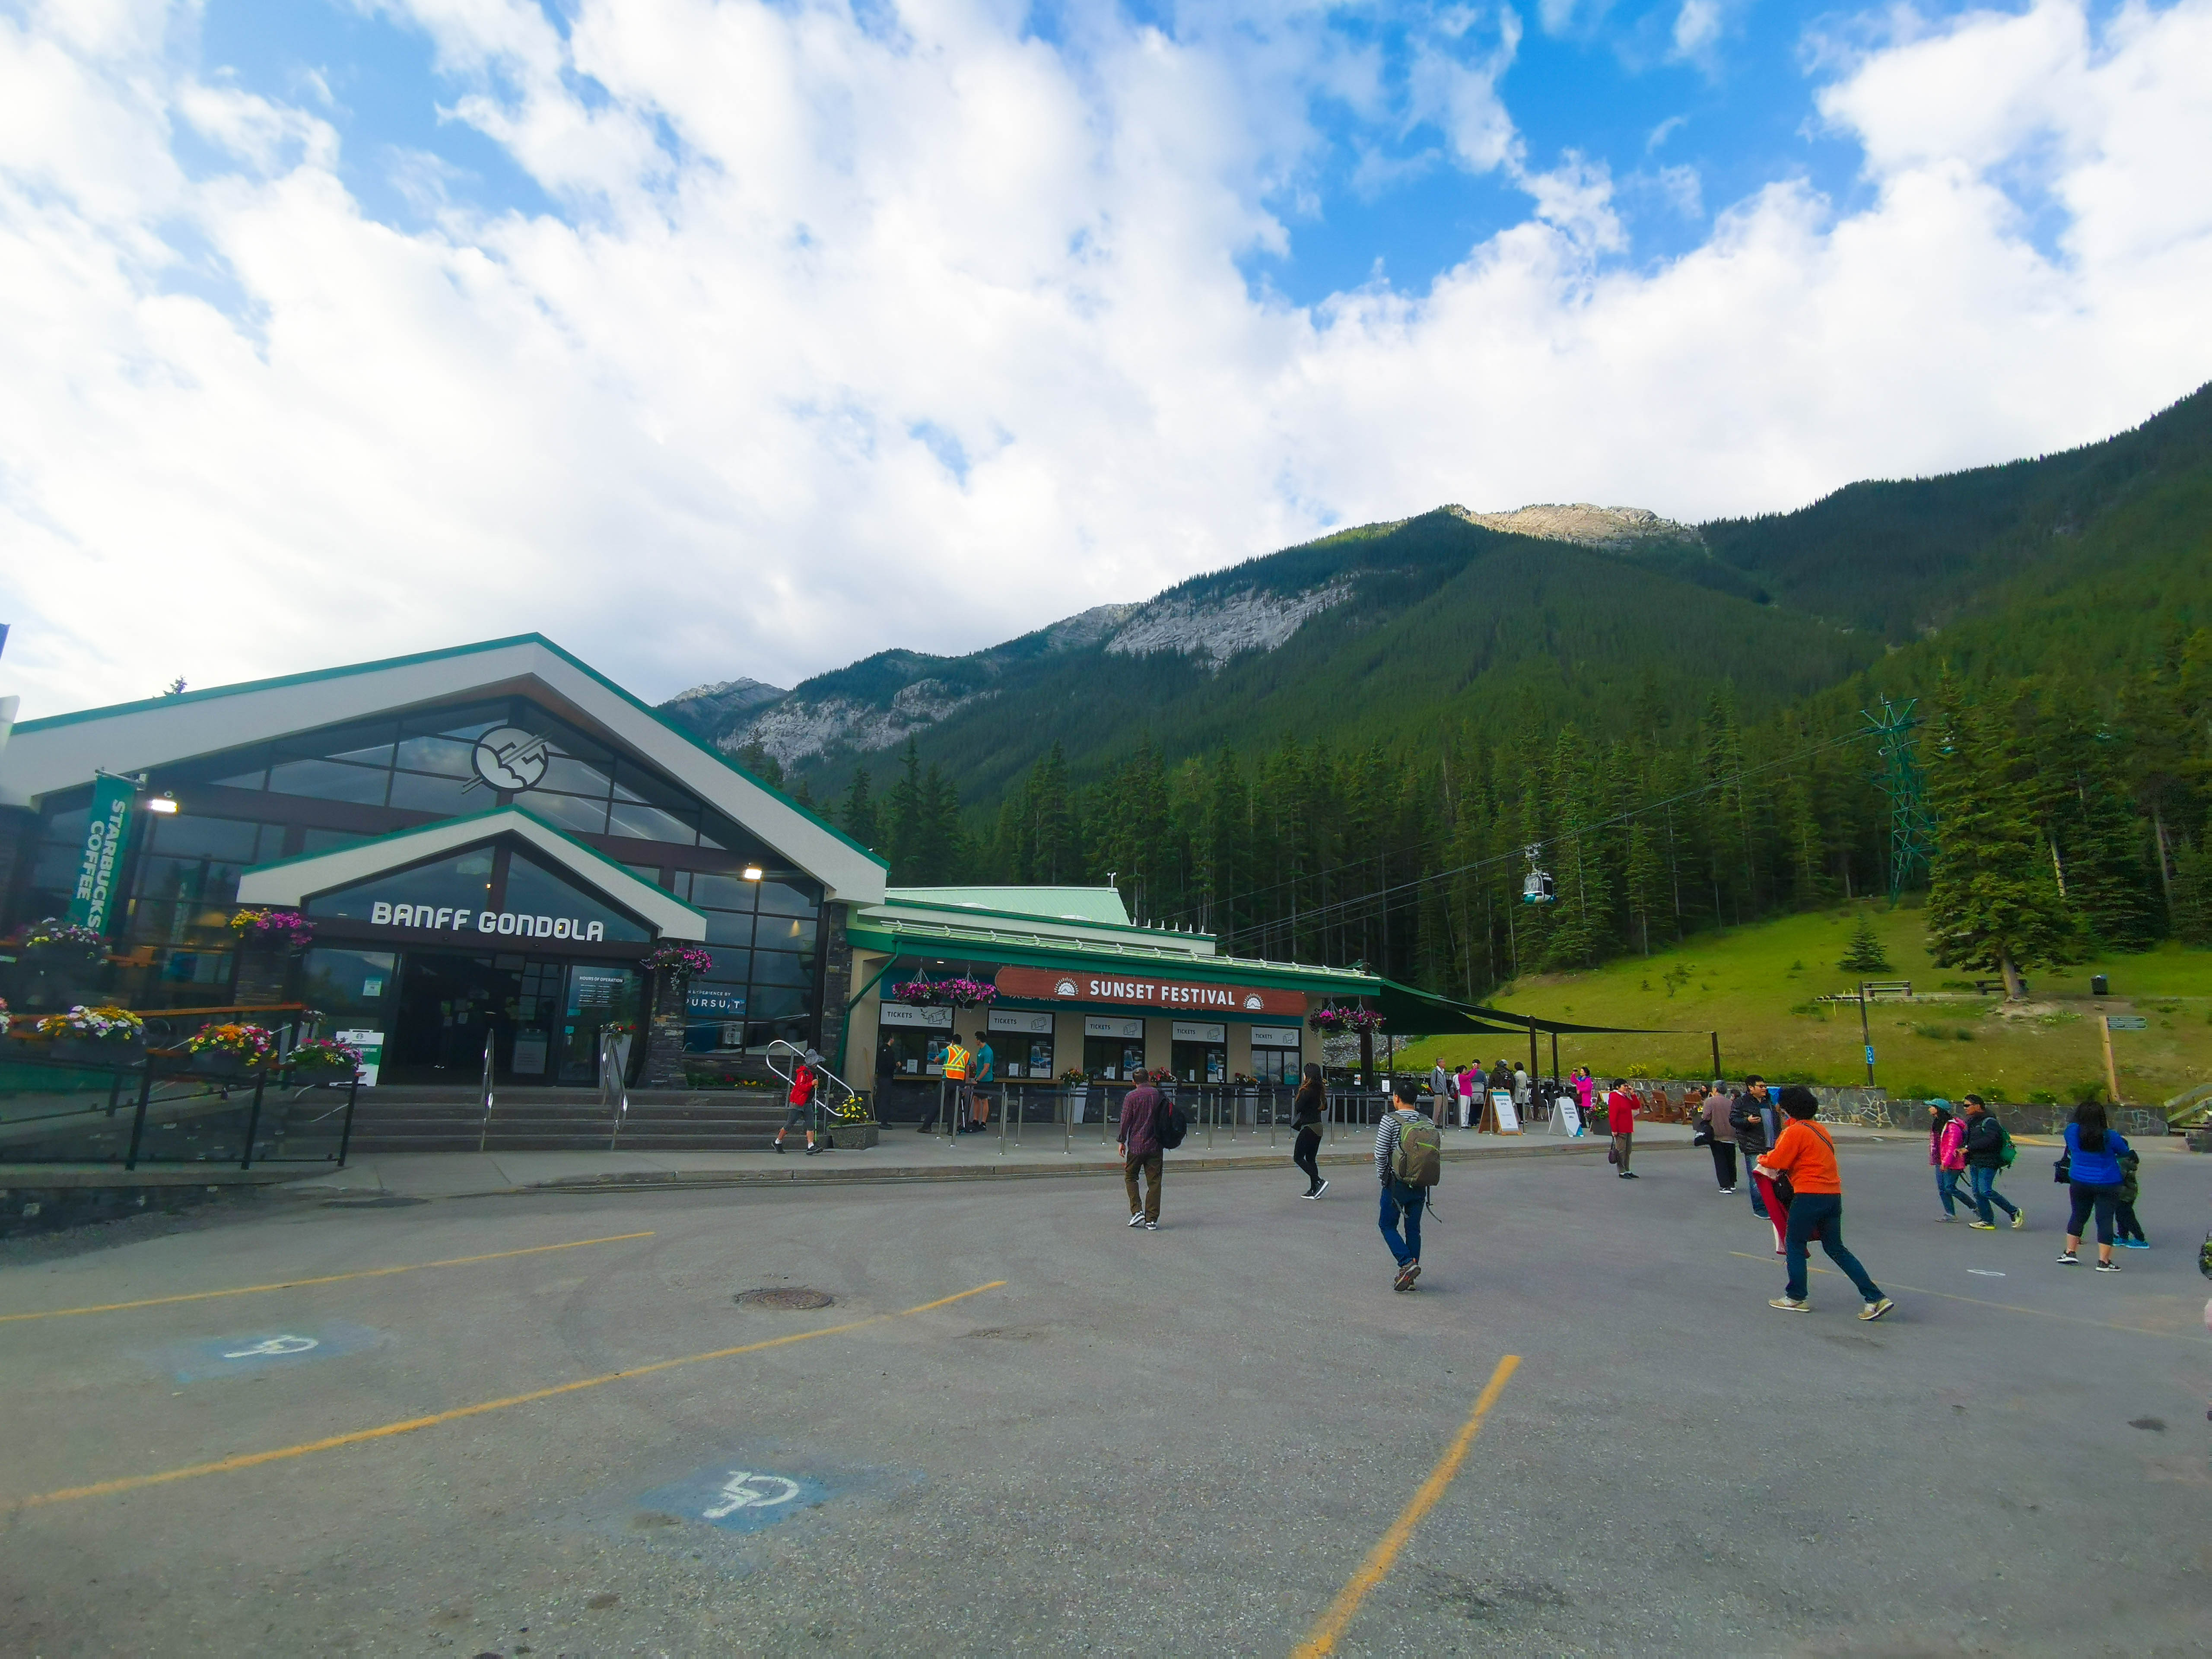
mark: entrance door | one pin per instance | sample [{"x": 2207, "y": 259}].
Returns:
[{"x": 448, "y": 1006}]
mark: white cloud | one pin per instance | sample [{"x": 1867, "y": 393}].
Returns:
[{"x": 714, "y": 420}]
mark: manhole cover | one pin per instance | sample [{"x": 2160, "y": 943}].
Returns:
[{"x": 793, "y": 1298}]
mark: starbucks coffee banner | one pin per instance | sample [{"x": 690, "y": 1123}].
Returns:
[{"x": 93, "y": 900}]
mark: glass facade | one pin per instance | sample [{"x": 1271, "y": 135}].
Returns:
[
  {"x": 340, "y": 786},
  {"x": 764, "y": 937}
]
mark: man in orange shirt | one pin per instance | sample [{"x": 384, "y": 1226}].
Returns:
[{"x": 1805, "y": 1157}]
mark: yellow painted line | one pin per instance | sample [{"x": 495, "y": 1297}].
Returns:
[
  {"x": 1376, "y": 1567},
  {"x": 409, "y": 1425},
  {"x": 327, "y": 1279},
  {"x": 2007, "y": 1306}
]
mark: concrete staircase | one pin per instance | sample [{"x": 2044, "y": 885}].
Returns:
[{"x": 403, "y": 1118}]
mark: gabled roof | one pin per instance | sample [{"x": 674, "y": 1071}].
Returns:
[
  {"x": 876, "y": 930},
  {"x": 1041, "y": 915},
  {"x": 1054, "y": 904},
  {"x": 64, "y": 751},
  {"x": 289, "y": 881}
]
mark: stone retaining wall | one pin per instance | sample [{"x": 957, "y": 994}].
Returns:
[{"x": 1873, "y": 1109}]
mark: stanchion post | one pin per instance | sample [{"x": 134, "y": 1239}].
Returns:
[
  {"x": 138, "y": 1122},
  {"x": 345, "y": 1134},
  {"x": 253, "y": 1119}
]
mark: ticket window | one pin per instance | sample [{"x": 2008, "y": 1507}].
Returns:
[
  {"x": 1116, "y": 1060},
  {"x": 1021, "y": 1056},
  {"x": 1201, "y": 1062},
  {"x": 1275, "y": 1064},
  {"x": 914, "y": 1055}
]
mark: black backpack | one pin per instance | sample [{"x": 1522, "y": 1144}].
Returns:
[{"x": 1171, "y": 1124}]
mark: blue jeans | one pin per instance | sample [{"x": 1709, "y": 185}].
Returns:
[
  {"x": 1758, "y": 1204},
  {"x": 1821, "y": 1213},
  {"x": 1407, "y": 1202},
  {"x": 1985, "y": 1178},
  {"x": 1947, "y": 1188}
]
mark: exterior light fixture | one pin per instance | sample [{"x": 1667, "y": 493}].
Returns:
[
  {"x": 162, "y": 803},
  {"x": 752, "y": 873}
]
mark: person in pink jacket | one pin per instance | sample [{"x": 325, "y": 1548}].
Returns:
[
  {"x": 1947, "y": 1150},
  {"x": 1585, "y": 1097}
]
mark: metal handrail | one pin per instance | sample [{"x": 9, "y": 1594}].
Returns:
[
  {"x": 853, "y": 1109},
  {"x": 610, "y": 1075},
  {"x": 483, "y": 1128}
]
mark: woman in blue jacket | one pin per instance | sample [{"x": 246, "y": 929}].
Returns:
[{"x": 2094, "y": 1153}]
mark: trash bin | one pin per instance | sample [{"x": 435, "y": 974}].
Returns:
[{"x": 2097, "y": 985}]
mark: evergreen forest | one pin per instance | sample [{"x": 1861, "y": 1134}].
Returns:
[{"x": 1678, "y": 733}]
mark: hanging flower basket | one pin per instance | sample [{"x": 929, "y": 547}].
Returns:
[
  {"x": 933, "y": 993},
  {"x": 56, "y": 944},
  {"x": 1333, "y": 1021},
  {"x": 324, "y": 1059},
  {"x": 682, "y": 962},
  {"x": 229, "y": 1050},
  {"x": 281, "y": 930}
]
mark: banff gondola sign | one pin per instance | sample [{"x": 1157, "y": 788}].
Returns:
[
  {"x": 513, "y": 924},
  {"x": 1085, "y": 985}
]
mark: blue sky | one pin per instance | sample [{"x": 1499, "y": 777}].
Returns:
[
  {"x": 1380, "y": 192},
  {"x": 749, "y": 337}
]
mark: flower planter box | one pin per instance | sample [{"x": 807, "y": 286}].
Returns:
[
  {"x": 92, "y": 1051},
  {"x": 340, "y": 1074},
  {"x": 214, "y": 1064}
]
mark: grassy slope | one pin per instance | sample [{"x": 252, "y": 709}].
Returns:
[{"x": 1745, "y": 983}]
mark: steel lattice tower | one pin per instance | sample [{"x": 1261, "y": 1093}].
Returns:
[{"x": 1912, "y": 830}]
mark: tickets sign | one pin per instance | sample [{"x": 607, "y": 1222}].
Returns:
[{"x": 1088, "y": 985}]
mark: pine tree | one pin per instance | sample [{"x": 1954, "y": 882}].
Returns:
[
  {"x": 902, "y": 817},
  {"x": 756, "y": 759},
  {"x": 1647, "y": 892},
  {"x": 858, "y": 815},
  {"x": 1993, "y": 900},
  {"x": 1865, "y": 954}
]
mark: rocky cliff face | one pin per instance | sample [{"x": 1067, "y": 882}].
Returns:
[
  {"x": 1612, "y": 528},
  {"x": 877, "y": 704}
]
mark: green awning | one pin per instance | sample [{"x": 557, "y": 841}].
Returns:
[
  {"x": 1408, "y": 1011},
  {"x": 1012, "y": 949}
]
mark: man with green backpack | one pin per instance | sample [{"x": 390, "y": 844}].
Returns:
[
  {"x": 1989, "y": 1150},
  {"x": 1409, "y": 1155}
]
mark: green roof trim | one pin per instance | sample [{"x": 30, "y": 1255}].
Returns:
[
  {"x": 1036, "y": 951},
  {"x": 314, "y": 676},
  {"x": 443, "y": 824},
  {"x": 890, "y": 902}
]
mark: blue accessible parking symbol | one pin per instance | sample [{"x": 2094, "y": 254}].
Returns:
[
  {"x": 264, "y": 1350},
  {"x": 738, "y": 1499}
]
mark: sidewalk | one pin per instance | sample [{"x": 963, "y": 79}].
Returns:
[{"x": 904, "y": 1155}]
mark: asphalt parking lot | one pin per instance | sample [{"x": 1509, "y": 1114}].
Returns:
[{"x": 1184, "y": 1441}]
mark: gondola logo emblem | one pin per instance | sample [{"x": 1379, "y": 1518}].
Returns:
[
  {"x": 1064, "y": 988},
  {"x": 508, "y": 757},
  {"x": 1253, "y": 1001}
]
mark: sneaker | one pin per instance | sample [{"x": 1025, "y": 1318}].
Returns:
[
  {"x": 2069, "y": 1260},
  {"x": 1136, "y": 1217},
  {"x": 2018, "y": 1220},
  {"x": 2108, "y": 1266},
  {"x": 1626, "y": 1175},
  {"x": 2134, "y": 1243},
  {"x": 1790, "y": 1304},
  {"x": 810, "y": 1151},
  {"x": 777, "y": 1145},
  {"x": 1947, "y": 1218},
  {"x": 1404, "y": 1279},
  {"x": 1876, "y": 1309},
  {"x": 1319, "y": 1190},
  {"x": 1152, "y": 1226},
  {"x": 1728, "y": 1192},
  {"x": 1982, "y": 1226},
  {"x": 1413, "y": 1273}
]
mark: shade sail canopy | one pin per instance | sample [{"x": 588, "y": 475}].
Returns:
[{"x": 1408, "y": 1011}]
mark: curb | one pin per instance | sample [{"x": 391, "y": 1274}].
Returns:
[{"x": 685, "y": 1180}]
